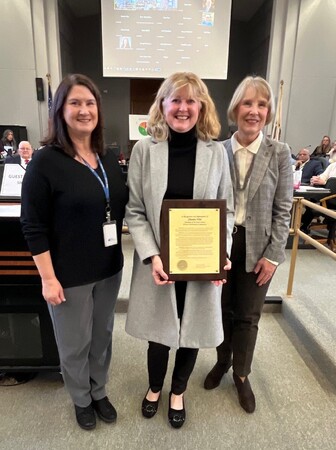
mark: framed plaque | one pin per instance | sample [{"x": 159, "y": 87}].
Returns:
[{"x": 193, "y": 239}]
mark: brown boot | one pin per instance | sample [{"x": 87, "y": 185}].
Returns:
[{"x": 215, "y": 375}]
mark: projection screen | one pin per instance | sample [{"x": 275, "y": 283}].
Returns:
[{"x": 154, "y": 38}]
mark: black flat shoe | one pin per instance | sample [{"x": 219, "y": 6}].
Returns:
[
  {"x": 176, "y": 417},
  {"x": 105, "y": 410},
  {"x": 245, "y": 394},
  {"x": 213, "y": 379},
  {"x": 148, "y": 408},
  {"x": 85, "y": 417}
]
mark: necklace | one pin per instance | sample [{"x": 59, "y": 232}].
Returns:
[{"x": 242, "y": 186}]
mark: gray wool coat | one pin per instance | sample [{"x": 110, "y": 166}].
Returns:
[{"x": 152, "y": 312}]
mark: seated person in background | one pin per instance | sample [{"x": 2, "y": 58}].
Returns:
[
  {"x": 7, "y": 140},
  {"x": 321, "y": 180},
  {"x": 332, "y": 153},
  {"x": 323, "y": 148},
  {"x": 25, "y": 154},
  {"x": 121, "y": 158},
  {"x": 308, "y": 166}
]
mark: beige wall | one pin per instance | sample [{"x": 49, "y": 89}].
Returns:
[
  {"x": 303, "y": 54},
  {"x": 29, "y": 49}
]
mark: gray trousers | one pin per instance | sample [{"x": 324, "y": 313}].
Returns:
[{"x": 83, "y": 327}]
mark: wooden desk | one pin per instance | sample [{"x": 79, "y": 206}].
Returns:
[{"x": 315, "y": 195}]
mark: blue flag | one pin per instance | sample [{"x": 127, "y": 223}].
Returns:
[
  {"x": 49, "y": 98},
  {"x": 49, "y": 93}
]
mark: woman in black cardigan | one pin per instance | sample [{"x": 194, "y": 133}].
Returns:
[{"x": 73, "y": 201}]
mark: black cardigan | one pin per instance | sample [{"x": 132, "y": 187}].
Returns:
[{"x": 63, "y": 209}]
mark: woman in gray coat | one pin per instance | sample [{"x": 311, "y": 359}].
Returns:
[
  {"x": 179, "y": 161},
  {"x": 263, "y": 179}
]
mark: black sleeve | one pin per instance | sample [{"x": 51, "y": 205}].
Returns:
[{"x": 36, "y": 208}]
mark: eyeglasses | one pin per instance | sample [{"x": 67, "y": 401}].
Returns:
[{"x": 24, "y": 148}]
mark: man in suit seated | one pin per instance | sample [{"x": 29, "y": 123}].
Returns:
[
  {"x": 24, "y": 156},
  {"x": 309, "y": 167}
]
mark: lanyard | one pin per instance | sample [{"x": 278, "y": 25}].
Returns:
[{"x": 104, "y": 185}]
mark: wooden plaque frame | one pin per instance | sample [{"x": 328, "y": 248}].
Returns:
[{"x": 165, "y": 231}]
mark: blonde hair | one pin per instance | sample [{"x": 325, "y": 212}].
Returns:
[
  {"x": 207, "y": 126},
  {"x": 262, "y": 87}
]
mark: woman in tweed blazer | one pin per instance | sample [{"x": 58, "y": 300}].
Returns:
[
  {"x": 263, "y": 183},
  {"x": 180, "y": 160}
]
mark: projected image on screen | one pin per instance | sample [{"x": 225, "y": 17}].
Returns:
[
  {"x": 154, "y": 38},
  {"x": 145, "y": 4}
]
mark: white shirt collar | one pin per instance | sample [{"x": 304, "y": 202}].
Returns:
[{"x": 253, "y": 147}]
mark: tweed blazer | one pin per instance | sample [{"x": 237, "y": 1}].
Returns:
[
  {"x": 152, "y": 312},
  {"x": 269, "y": 202}
]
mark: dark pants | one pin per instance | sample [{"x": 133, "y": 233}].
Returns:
[
  {"x": 242, "y": 303},
  {"x": 158, "y": 355},
  {"x": 308, "y": 216}
]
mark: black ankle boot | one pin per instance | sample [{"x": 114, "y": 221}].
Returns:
[
  {"x": 245, "y": 394},
  {"x": 215, "y": 375},
  {"x": 176, "y": 417}
]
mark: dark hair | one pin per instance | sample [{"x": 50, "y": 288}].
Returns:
[
  {"x": 58, "y": 132},
  {"x": 5, "y": 141}
]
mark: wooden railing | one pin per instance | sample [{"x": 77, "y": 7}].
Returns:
[{"x": 298, "y": 203}]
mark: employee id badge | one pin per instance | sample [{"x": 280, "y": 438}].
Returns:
[{"x": 110, "y": 233}]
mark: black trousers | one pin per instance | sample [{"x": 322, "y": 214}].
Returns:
[
  {"x": 308, "y": 215},
  {"x": 158, "y": 356},
  {"x": 242, "y": 303}
]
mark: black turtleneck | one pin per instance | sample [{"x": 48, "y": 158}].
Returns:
[{"x": 181, "y": 165}]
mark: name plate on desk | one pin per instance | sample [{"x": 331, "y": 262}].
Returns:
[
  {"x": 10, "y": 210},
  {"x": 193, "y": 239},
  {"x": 12, "y": 180}
]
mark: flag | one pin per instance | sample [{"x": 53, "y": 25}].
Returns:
[{"x": 49, "y": 93}]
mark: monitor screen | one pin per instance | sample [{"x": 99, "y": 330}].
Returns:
[{"x": 155, "y": 38}]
